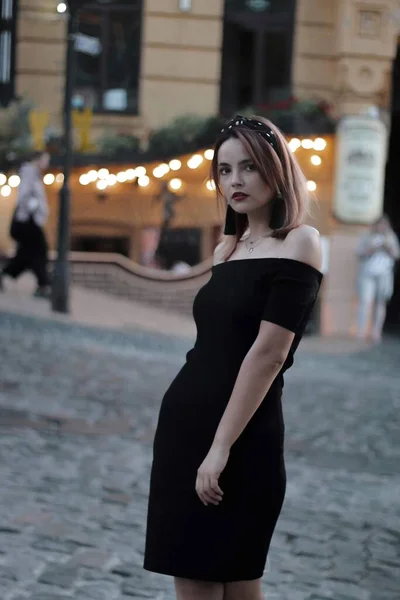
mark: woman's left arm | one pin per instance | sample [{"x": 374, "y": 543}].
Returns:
[
  {"x": 258, "y": 371},
  {"x": 392, "y": 246}
]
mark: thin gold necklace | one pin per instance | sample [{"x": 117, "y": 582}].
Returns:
[{"x": 250, "y": 245}]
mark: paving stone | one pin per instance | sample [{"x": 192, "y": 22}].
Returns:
[
  {"x": 60, "y": 575},
  {"x": 54, "y": 546},
  {"x": 135, "y": 591},
  {"x": 49, "y": 596},
  {"x": 115, "y": 498},
  {"x": 97, "y": 591},
  {"x": 7, "y": 573},
  {"x": 69, "y": 533},
  {"x": 75, "y": 467},
  {"x": 9, "y": 529},
  {"x": 125, "y": 569},
  {"x": 91, "y": 574},
  {"x": 95, "y": 559}
]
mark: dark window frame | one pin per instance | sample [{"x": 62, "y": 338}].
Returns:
[
  {"x": 105, "y": 10},
  {"x": 7, "y": 88},
  {"x": 261, "y": 23}
]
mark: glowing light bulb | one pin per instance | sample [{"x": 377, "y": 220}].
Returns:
[
  {"x": 175, "y": 184},
  {"x": 320, "y": 144},
  {"x": 195, "y": 161},
  {"x": 161, "y": 170},
  {"x": 5, "y": 191},
  {"x": 140, "y": 171},
  {"x": 111, "y": 179},
  {"x": 103, "y": 173},
  {"x": 60, "y": 178},
  {"x": 101, "y": 184},
  {"x": 294, "y": 144},
  {"x": 122, "y": 177},
  {"x": 3, "y": 179},
  {"x": 84, "y": 179},
  {"x": 48, "y": 179},
  {"x": 316, "y": 160},
  {"x": 211, "y": 185},
  {"x": 130, "y": 174},
  {"x": 144, "y": 181},
  {"x": 311, "y": 186},
  {"x": 92, "y": 175},
  {"x": 175, "y": 164},
  {"x": 158, "y": 172},
  {"x": 61, "y": 8},
  {"x": 307, "y": 144},
  {"x": 209, "y": 154},
  {"x": 14, "y": 181}
]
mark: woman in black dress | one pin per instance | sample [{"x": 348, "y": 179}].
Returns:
[{"x": 218, "y": 476}]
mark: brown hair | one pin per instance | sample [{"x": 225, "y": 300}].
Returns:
[{"x": 279, "y": 169}]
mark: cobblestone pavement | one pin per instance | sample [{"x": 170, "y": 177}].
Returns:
[{"x": 77, "y": 414}]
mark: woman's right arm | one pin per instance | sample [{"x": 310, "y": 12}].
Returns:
[
  {"x": 365, "y": 247},
  {"x": 392, "y": 246},
  {"x": 26, "y": 186}
]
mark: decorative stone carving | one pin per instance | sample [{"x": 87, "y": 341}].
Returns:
[
  {"x": 370, "y": 23},
  {"x": 356, "y": 75}
]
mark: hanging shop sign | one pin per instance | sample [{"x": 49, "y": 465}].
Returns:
[{"x": 361, "y": 148}]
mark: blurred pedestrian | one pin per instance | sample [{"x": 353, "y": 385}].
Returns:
[
  {"x": 27, "y": 225},
  {"x": 218, "y": 477},
  {"x": 378, "y": 250}
]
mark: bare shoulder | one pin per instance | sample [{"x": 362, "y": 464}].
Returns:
[
  {"x": 304, "y": 244},
  {"x": 218, "y": 254}
]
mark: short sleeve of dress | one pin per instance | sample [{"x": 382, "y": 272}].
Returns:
[{"x": 293, "y": 292}]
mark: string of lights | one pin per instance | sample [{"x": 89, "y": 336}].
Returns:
[{"x": 103, "y": 178}]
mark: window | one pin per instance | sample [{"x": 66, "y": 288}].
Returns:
[
  {"x": 8, "y": 18},
  {"x": 108, "y": 56},
  {"x": 257, "y": 53}
]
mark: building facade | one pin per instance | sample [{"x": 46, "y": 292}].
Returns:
[
  {"x": 132, "y": 53},
  {"x": 142, "y": 63}
]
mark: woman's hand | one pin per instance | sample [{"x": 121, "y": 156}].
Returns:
[{"x": 208, "y": 474}]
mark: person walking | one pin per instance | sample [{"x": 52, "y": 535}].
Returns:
[
  {"x": 378, "y": 250},
  {"x": 218, "y": 474},
  {"x": 27, "y": 224}
]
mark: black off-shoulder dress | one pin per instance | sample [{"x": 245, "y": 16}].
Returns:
[{"x": 228, "y": 542}]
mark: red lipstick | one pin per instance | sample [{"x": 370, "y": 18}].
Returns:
[{"x": 239, "y": 196}]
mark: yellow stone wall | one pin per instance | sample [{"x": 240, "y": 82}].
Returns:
[
  {"x": 180, "y": 62},
  {"x": 41, "y": 55},
  {"x": 181, "y": 56},
  {"x": 314, "y": 49},
  {"x": 343, "y": 52}
]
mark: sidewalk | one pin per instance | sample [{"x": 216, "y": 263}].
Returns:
[
  {"x": 78, "y": 411},
  {"x": 96, "y": 309}
]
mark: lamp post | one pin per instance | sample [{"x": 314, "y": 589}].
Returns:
[{"x": 60, "y": 287}]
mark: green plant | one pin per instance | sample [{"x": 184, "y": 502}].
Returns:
[
  {"x": 15, "y": 135},
  {"x": 114, "y": 144},
  {"x": 298, "y": 116},
  {"x": 184, "y": 134}
]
